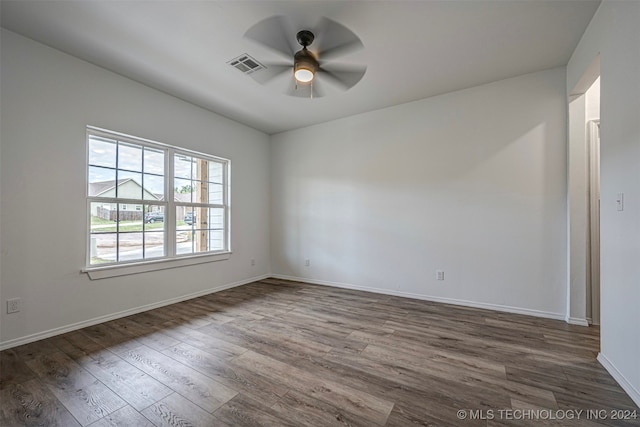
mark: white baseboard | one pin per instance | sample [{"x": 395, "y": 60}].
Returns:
[
  {"x": 465, "y": 303},
  {"x": 633, "y": 393},
  {"x": 577, "y": 321},
  {"x": 101, "y": 319}
]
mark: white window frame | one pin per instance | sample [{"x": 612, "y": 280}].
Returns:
[{"x": 170, "y": 259}]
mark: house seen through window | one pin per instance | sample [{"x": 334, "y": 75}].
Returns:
[{"x": 149, "y": 201}]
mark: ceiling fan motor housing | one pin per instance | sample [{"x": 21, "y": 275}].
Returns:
[{"x": 305, "y": 38}]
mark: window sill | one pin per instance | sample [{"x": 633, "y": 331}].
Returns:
[{"x": 105, "y": 272}]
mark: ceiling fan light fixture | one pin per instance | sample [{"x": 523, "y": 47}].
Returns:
[
  {"x": 303, "y": 75},
  {"x": 305, "y": 66}
]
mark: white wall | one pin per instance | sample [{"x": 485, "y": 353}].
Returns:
[
  {"x": 471, "y": 182},
  {"x": 48, "y": 98},
  {"x": 614, "y": 33},
  {"x": 593, "y": 101}
]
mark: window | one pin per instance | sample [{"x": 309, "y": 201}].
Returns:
[{"x": 148, "y": 201}]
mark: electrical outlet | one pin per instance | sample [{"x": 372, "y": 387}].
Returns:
[
  {"x": 620, "y": 201},
  {"x": 439, "y": 274},
  {"x": 253, "y": 262},
  {"x": 13, "y": 305},
  {"x": 307, "y": 263}
]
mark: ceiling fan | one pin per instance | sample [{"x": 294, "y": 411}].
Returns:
[{"x": 310, "y": 66}]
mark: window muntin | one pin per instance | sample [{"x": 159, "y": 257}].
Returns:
[
  {"x": 200, "y": 230},
  {"x": 131, "y": 219}
]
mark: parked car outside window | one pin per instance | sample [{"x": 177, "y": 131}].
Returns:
[
  {"x": 190, "y": 217},
  {"x": 154, "y": 216}
]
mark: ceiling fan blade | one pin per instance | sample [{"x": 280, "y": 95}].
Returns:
[
  {"x": 343, "y": 76},
  {"x": 271, "y": 72},
  {"x": 309, "y": 91},
  {"x": 317, "y": 89},
  {"x": 335, "y": 40},
  {"x": 300, "y": 91},
  {"x": 274, "y": 33}
]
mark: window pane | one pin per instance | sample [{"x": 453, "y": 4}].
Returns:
[
  {"x": 216, "y": 195},
  {"x": 102, "y": 248},
  {"x": 153, "y": 244},
  {"x": 202, "y": 218},
  {"x": 216, "y": 218},
  {"x": 102, "y": 152},
  {"x": 129, "y": 185},
  {"x": 102, "y": 182},
  {"x": 153, "y": 187},
  {"x": 200, "y": 241},
  {"x": 182, "y": 166},
  {"x": 200, "y": 193},
  {"x": 130, "y": 157},
  {"x": 201, "y": 169},
  {"x": 184, "y": 241},
  {"x": 153, "y": 161},
  {"x": 216, "y": 240},
  {"x": 154, "y": 217},
  {"x": 215, "y": 172},
  {"x": 129, "y": 218},
  {"x": 182, "y": 190},
  {"x": 103, "y": 217},
  {"x": 130, "y": 246},
  {"x": 185, "y": 217}
]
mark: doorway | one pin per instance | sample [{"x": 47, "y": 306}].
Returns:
[
  {"x": 583, "y": 293},
  {"x": 593, "y": 283}
]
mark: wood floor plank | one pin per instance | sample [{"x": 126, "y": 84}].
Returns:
[
  {"x": 250, "y": 384},
  {"x": 147, "y": 335},
  {"x": 77, "y": 345},
  {"x": 472, "y": 378},
  {"x": 134, "y": 386},
  {"x": 428, "y": 357},
  {"x": 123, "y": 417},
  {"x": 287, "y": 353},
  {"x": 200, "y": 389},
  {"x": 447, "y": 389},
  {"x": 285, "y": 350},
  {"x": 557, "y": 384},
  {"x": 280, "y": 336},
  {"x": 176, "y": 411},
  {"x": 242, "y": 411},
  {"x": 13, "y": 369},
  {"x": 357, "y": 402},
  {"x": 304, "y": 410},
  {"x": 219, "y": 348},
  {"x": 408, "y": 387},
  {"x": 32, "y": 350},
  {"x": 412, "y": 415},
  {"x": 32, "y": 404},
  {"x": 82, "y": 394},
  {"x": 112, "y": 337}
]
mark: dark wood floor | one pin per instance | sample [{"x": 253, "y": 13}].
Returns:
[{"x": 281, "y": 353}]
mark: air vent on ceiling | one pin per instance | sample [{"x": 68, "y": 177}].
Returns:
[{"x": 246, "y": 64}]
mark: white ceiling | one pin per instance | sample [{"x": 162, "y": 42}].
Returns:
[{"x": 413, "y": 49}]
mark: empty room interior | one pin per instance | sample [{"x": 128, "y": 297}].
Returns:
[{"x": 315, "y": 213}]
